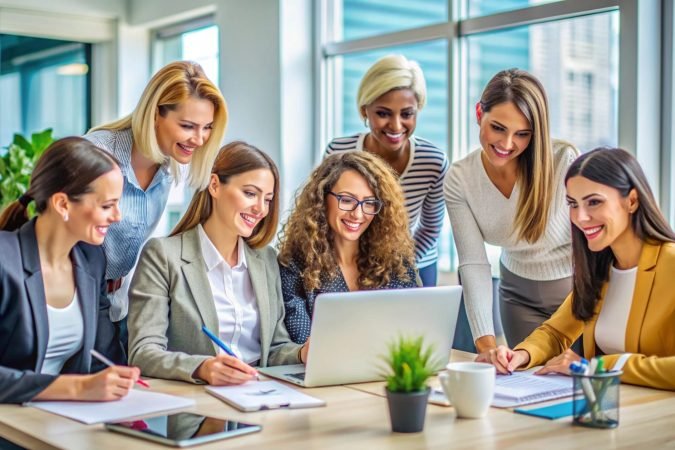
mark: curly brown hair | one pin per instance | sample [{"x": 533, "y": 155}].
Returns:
[{"x": 385, "y": 248}]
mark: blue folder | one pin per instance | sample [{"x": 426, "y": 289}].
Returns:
[{"x": 553, "y": 412}]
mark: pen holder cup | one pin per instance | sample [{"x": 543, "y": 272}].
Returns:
[{"x": 596, "y": 400}]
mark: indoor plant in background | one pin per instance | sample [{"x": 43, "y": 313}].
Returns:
[
  {"x": 410, "y": 366},
  {"x": 16, "y": 164}
]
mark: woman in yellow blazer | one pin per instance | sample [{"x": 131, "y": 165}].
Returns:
[{"x": 623, "y": 299}]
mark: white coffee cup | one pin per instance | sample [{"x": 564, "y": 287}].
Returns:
[{"x": 470, "y": 387}]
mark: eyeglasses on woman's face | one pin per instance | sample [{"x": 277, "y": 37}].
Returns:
[{"x": 369, "y": 206}]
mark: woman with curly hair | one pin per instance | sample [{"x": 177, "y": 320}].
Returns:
[{"x": 348, "y": 231}]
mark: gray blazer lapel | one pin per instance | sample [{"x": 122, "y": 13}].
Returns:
[
  {"x": 258, "y": 273},
  {"x": 35, "y": 288},
  {"x": 87, "y": 292},
  {"x": 194, "y": 271}
]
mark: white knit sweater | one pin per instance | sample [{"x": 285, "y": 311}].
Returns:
[{"x": 480, "y": 213}]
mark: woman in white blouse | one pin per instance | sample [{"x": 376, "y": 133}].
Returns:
[{"x": 215, "y": 270}]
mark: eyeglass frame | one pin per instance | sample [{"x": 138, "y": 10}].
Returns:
[{"x": 358, "y": 203}]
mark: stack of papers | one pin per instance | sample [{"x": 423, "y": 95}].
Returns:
[
  {"x": 522, "y": 388},
  {"x": 136, "y": 403},
  {"x": 258, "y": 395}
]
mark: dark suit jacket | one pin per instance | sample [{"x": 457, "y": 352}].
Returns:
[{"x": 24, "y": 329}]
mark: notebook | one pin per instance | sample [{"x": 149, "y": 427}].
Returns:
[
  {"x": 137, "y": 403},
  {"x": 522, "y": 388},
  {"x": 260, "y": 395}
]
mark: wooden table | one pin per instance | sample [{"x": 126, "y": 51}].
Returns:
[{"x": 356, "y": 418}]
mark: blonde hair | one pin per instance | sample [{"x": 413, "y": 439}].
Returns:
[
  {"x": 233, "y": 159},
  {"x": 389, "y": 73},
  {"x": 385, "y": 248},
  {"x": 172, "y": 85},
  {"x": 535, "y": 164}
]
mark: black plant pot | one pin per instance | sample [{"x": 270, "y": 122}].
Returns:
[{"x": 407, "y": 410}]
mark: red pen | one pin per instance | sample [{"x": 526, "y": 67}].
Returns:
[{"x": 109, "y": 363}]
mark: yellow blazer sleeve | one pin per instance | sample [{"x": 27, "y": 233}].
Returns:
[
  {"x": 650, "y": 371},
  {"x": 554, "y": 336}
]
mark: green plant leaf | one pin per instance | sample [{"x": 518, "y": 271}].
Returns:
[
  {"x": 409, "y": 365},
  {"x": 41, "y": 141}
]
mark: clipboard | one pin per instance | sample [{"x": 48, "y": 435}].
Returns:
[{"x": 263, "y": 395}]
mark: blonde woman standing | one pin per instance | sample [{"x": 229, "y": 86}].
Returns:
[
  {"x": 510, "y": 193},
  {"x": 179, "y": 120},
  {"x": 390, "y": 96}
]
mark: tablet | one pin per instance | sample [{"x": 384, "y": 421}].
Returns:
[{"x": 183, "y": 429}]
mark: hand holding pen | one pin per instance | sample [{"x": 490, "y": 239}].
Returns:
[
  {"x": 225, "y": 368},
  {"x": 109, "y": 363}
]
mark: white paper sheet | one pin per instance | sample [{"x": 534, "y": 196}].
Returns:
[
  {"x": 257, "y": 395},
  {"x": 522, "y": 388},
  {"x": 137, "y": 403}
]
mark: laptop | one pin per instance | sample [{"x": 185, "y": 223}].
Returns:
[{"x": 351, "y": 333}]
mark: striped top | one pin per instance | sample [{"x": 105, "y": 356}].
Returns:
[
  {"x": 480, "y": 213},
  {"x": 422, "y": 183},
  {"x": 141, "y": 211}
]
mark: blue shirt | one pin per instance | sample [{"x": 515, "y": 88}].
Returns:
[
  {"x": 299, "y": 304},
  {"x": 141, "y": 211}
]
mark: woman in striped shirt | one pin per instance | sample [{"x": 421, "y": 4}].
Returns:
[{"x": 390, "y": 95}]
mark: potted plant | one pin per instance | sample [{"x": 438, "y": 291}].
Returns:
[
  {"x": 409, "y": 367},
  {"x": 16, "y": 164}
]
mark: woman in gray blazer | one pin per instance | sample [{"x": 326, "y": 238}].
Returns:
[
  {"x": 52, "y": 273},
  {"x": 215, "y": 270}
]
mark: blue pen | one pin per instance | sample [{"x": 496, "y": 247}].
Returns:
[{"x": 217, "y": 341}]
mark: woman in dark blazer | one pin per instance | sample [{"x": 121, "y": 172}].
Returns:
[{"x": 52, "y": 311}]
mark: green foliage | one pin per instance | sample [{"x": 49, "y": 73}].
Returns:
[
  {"x": 17, "y": 162},
  {"x": 409, "y": 364}
]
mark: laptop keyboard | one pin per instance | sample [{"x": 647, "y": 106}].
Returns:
[{"x": 299, "y": 376}]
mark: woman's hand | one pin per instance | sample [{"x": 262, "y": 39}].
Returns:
[
  {"x": 504, "y": 359},
  {"x": 224, "y": 369},
  {"x": 560, "y": 363},
  {"x": 303, "y": 352},
  {"x": 112, "y": 383}
]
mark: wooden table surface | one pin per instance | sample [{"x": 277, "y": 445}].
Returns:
[{"x": 356, "y": 418}]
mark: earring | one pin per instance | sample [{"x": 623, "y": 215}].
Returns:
[
  {"x": 65, "y": 217},
  {"x": 365, "y": 123}
]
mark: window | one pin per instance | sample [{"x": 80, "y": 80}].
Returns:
[
  {"x": 197, "y": 41},
  {"x": 582, "y": 86},
  {"x": 355, "y": 19},
  {"x": 44, "y": 83},
  {"x": 477, "y": 8}
]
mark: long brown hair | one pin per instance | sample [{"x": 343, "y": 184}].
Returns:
[
  {"x": 69, "y": 165},
  {"x": 233, "y": 159},
  {"x": 385, "y": 248},
  {"x": 620, "y": 170},
  {"x": 536, "y": 162}
]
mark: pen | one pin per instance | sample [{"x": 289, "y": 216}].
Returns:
[
  {"x": 109, "y": 363},
  {"x": 216, "y": 340}
]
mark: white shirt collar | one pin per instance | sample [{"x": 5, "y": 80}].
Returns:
[{"x": 212, "y": 256}]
